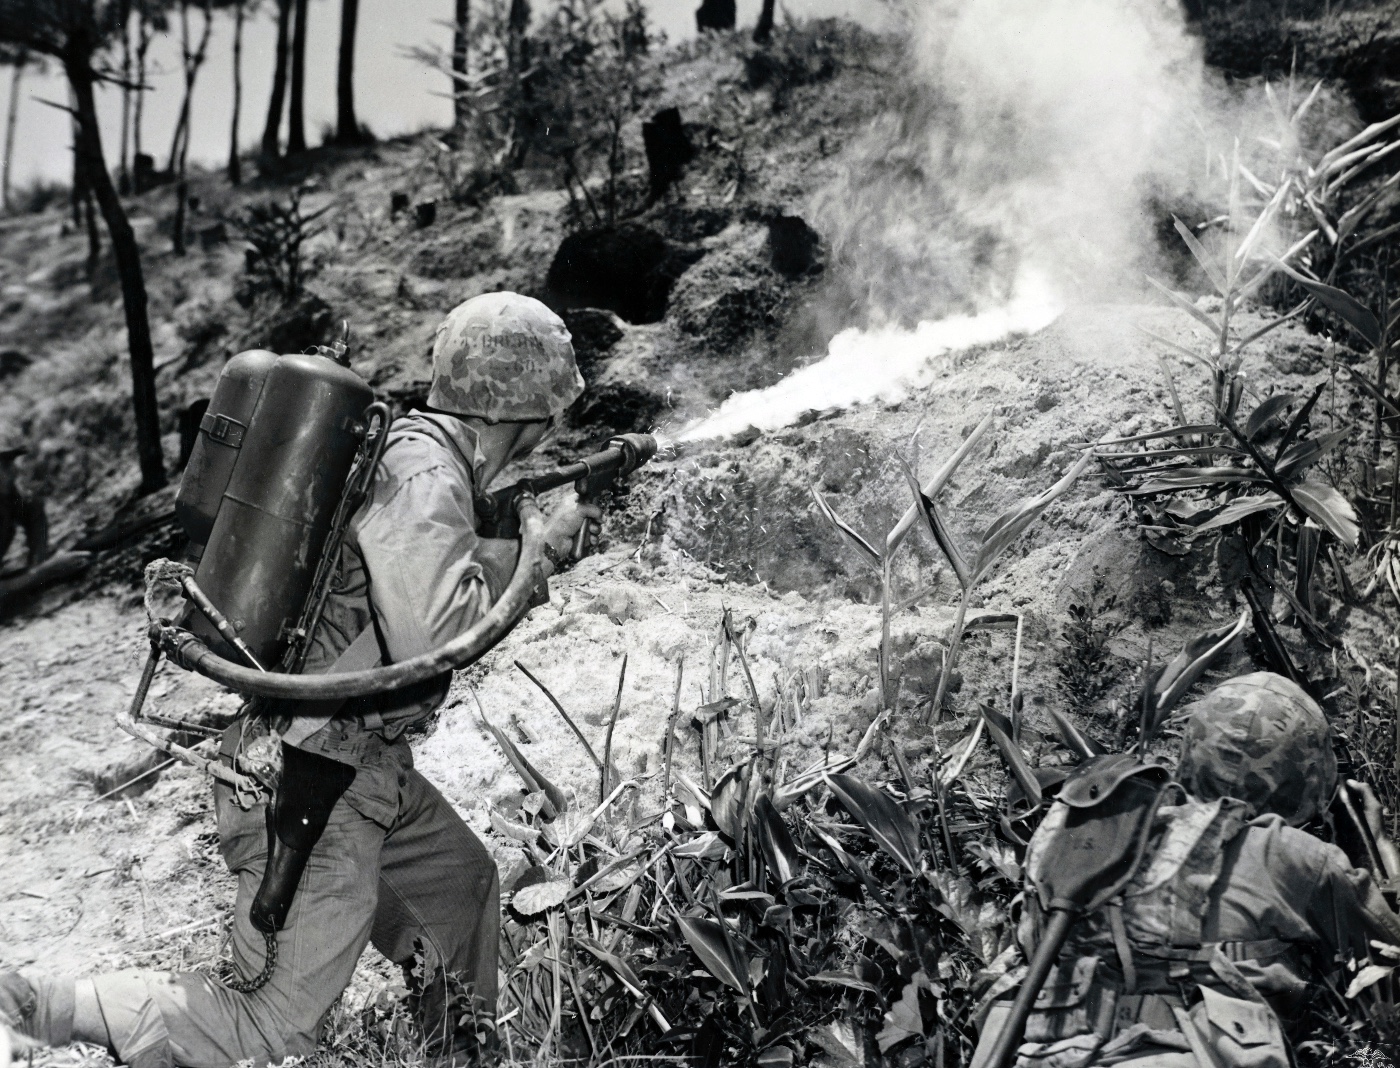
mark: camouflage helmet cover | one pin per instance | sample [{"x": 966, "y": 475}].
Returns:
[
  {"x": 503, "y": 356},
  {"x": 1260, "y": 739}
]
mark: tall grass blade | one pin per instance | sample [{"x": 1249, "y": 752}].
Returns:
[
  {"x": 932, "y": 488},
  {"x": 711, "y": 944},
  {"x": 1346, "y": 307},
  {"x": 1203, "y": 257},
  {"x": 1370, "y": 133},
  {"x": 1306, "y": 453},
  {"x": 532, "y": 779},
  {"x": 1011, "y": 524},
  {"x": 999, "y": 727},
  {"x": 727, "y": 800},
  {"x": 1187, "y": 306},
  {"x": 1267, "y": 328},
  {"x": 560, "y": 708},
  {"x": 1266, "y": 410},
  {"x": 938, "y": 529},
  {"x": 881, "y": 816},
  {"x": 1181, "y": 350},
  {"x": 1076, "y": 741},
  {"x": 1246, "y": 249},
  {"x": 1238, "y": 509},
  {"x": 864, "y": 547},
  {"x": 1300, "y": 420},
  {"x": 780, "y": 852},
  {"x": 1328, "y": 507},
  {"x": 1305, "y": 105},
  {"x": 1188, "y": 666}
]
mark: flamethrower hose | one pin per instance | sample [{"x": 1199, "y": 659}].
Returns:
[{"x": 192, "y": 654}]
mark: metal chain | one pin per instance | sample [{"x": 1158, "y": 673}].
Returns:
[{"x": 249, "y": 986}]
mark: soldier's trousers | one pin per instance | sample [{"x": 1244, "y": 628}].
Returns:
[{"x": 426, "y": 882}]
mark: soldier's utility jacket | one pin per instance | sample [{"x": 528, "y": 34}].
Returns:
[
  {"x": 1215, "y": 939},
  {"x": 410, "y": 579}
]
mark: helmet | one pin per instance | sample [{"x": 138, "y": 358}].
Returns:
[
  {"x": 1260, "y": 739},
  {"x": 502, "y": 356}
]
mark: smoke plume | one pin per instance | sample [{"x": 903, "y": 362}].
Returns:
[
  {"x": 1027, "y": 136},
  {"x": 1011, "y": 175}
]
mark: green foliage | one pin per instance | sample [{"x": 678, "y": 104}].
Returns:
[
  {"x": 1085, "y": 665},
  {"x": 564, "y": 92},
  {"x": 277, "y": 235}
]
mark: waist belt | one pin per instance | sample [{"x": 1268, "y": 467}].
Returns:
[
  {"x": 1263, "y": 949},
  {"x": 349, "y": 740}
]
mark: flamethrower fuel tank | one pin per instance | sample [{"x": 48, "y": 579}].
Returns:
[
  {"x": 263, "y": 504},
  {"x": 220, "y": 441}
]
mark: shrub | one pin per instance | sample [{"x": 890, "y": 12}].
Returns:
[{"x": 277, "y": 235}]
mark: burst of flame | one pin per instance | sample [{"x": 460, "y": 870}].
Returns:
[{"x": 878, "y": 365}]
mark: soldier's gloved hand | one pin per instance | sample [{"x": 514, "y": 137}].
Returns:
[
  {"x": 564, "y": 522},
  {"x": 1375, "y": 819}
]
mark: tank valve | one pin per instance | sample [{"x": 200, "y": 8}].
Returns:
[{"x": 338, "y": 349}]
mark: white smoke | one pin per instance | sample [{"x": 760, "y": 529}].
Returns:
[{"x": 1008, "y": 178}]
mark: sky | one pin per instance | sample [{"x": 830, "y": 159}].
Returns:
[{"x": 394, "y": 94}]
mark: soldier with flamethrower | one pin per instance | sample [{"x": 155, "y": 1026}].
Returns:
[{"x": 335, "y": 839}]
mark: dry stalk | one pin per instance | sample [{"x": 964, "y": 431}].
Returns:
[
  {"x": 567, "y": 718},
  {"x": 608, "y": 770}
]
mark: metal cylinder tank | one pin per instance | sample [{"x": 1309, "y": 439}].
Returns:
[
  {"x": 220, "y": 441},
  {"x": 279, "y": 500}
]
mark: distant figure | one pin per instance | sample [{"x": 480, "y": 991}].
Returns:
[{"x": 20, "y": 510}]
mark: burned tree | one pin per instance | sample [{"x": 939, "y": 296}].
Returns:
[
  {"x": 240, "y": 12},
  {"x": 347, "y": 126},
  {"x": 296, "y": 109},
  {"x": 76, "y": 33},
  {"x": 461, "y": 101},
  {"x": 273, "y": 128},
  {"x": 191, "y": 60},
  {"x": 17, "y": 59},
  {"x": 764, "y": 30}
]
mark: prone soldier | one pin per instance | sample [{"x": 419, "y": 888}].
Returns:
[{"x": 1208, "y": 954}]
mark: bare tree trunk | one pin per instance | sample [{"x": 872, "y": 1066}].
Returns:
[
  {"x": 78, "y": 186},
  {"x": 144, "y": 36},
  {"x": 347, "y": 126},
  {"x": 11, "y": 121},
  {"x": 128, "y": 258},
  {"x": 273, "y": 128},
  {"x": 764, "y": 29},
  {"x": 296, "y": 112},
  {"x": 181, "y": 151},
  {"x": 182, "y": 121},
  {"x": 518, "y": 62},
  {"x": 235, "y": 169},
  {"x": 460, "y": 100},
  {"x": 94, "y": 236},
  {"x": 123, "y": 164}
]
